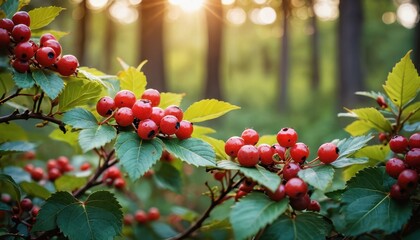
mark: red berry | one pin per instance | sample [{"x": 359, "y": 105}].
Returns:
[
  {"x": 26, "y": 204},
  {"x": 394, "y": 167},
  {"x": 153, "y": 214},
  {"x": 175, "y": 111},
  {"x": 37, "y": 174},
  {"x": 157, "y": 114},
  {"x": 278, "y": 195},
  {"x": 300, "y": 203},
  {"x": 232, "y": 145},
  {"x": 21, "y": 66},
  {"x": 166, "y": 156},
  {"x": 113, "y": 173},
  {"x": 412, "y": 158},
  {"x": 7, "y": 24},
  {"x": 290, "y": 171},
  {"x": 299, "y": 152},
  {"x": 67, "y": 64},
  {"x": 250, "y": 136},
  {"x": 21, "y": 17},
  {"x": 247, "y": 186},
  {"x": 152, "y": 95},
  {"x": 383, "y": 137},
  {"x": 314, "y": 206},
  {"x": 63, "y": 163},
  {"x": 46, "y": 56},
  {"x": 29, "y": 168},
  {"x": 398, "y": 144},
  {"x": 54, "y": 44},
  {"x": 240, "y": 194},
  {"x": 266, "y": 153},
  {"x": 105, "y": 106},
  {"x": 185, "y": 130},
  {"x": 398, "y": 193},
  {"x": 119, "y": 183},
  {"x": 128, "y": 219},
  {"x": 53, "y": 174},
  {"x": 141, "y": 216},
  {"x": 142, "y": 109},
  {"x": 124, "y": 98},
  {"x": 124, "y": 116},
  {"x": 296, "y": 188},
  {"x": 279, "y": 150},
  {"x": 35, "y": 211},
  {"x": 169, "y": 124},
  {"x": 21, "y": 33},
  {"x": 408, "y": 179},
  {"x": 381, "y": 102},
  {"x": 219, "y": 175},
  {"x": 147, "y": 129},
  {"x": 29, "y": 155},
  {"x": 45, "y": 37},
  {"x": 4, "y": 38},
  {"x": 24, "y": 51},
  {"x": 328, "y": 153},
  {"x": 248, "y": 156},
  {"x": 85, "y": 166},
  {"x": 287, "y": 137},
  {"x": 414, "y": 140},
  {"x": 52, "y": 164}
]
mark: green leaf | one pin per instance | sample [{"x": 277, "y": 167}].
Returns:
[
  {"x": 347, "y": 161},
  {"x": 73, "y": 95},
  {"x": 218, "y": 146},
  {"x": 167, "y": 99},
  {"x": 99, "y": 217},
  {"x": 133, "y": 80},
  {"x": 303, "y": 226},
  {"x": 35, "y": 190},
  {"x": 259, "y": 174},
  {"x": 80, "y": 118},
  {"x": 9, "y": 186},
  {"x": 403, "y": 82},
  {"x": 49, "y": 82},
  {"x": 69, "y": 183},
  {"x": 42, "y": 16},
  {"x": 192, "y": 150},
  {"x": 219, "y": 216},
  {"x": 23, "y": 80},
  {"x": 168, "y": 177},
  {"x": 17, "y": 146},
  {"x": 207, "y": 109},
  {"x": 373, "y": 118},
  {"x": 412, "y": 111},
  {"x": 136, "y": 155},
  {"x": 163, "y": 230},
  {"x": 70, "y": 137},
  {"x": 358, "y": 127},
  {"x": 320, "y": 177},
  {"x": 254, "y": 212},
  {"x": 12, "y": 132},
  {"x": 350, "y": 145},
  {"x": 10, "y": 7},
  {"x": 369, "y": 206},
  {"x": 96, "y": 137}
]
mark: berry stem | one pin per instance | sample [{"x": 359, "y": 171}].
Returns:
[
  {"x": 5, "y": 99},
  {"x": 16, "y": 115}
]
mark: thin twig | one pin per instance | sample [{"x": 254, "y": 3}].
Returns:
[
  {"x": 16, "y": 115},
  {"x": 11, "y": 96}
]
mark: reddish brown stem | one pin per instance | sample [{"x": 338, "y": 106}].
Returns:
[{"x": 16, "y": 115}]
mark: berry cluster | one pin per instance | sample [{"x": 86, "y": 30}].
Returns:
[
  {"x": 55, "y": 169},
  {"x": 21, "y": 211},
  {"x": 15, "y": 39},
  {"x": 113, "y": 177},
  {"x": 404, "y": 166},
  {"x": 142, "y": 217},
  {"x": 144, "y": 115},
  {"x": 286, "y": 157}
]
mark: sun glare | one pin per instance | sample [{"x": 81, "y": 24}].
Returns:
[{"x": 188, "y": 5}]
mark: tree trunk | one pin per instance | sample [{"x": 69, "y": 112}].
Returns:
[
  {"x": 284, "y": 60},
  {"x": 416, "y": 48},
  {"x": 151, "y": 47},
  {"x": 349, "y": 52},
  {"x": 82, "y": 30},
  {"x": 214, "y": 17},
  {"x": 315, "y": 78}
]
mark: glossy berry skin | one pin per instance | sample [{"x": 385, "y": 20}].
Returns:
[
  {"x": 24, "y": 51},
  {"x": 394, "y": 167},
  {"x": 408, "y": 179},
  {"x": 46, "y": 56},
  {"x": 35, "y": 211},
  {"x": 141, "y": 216},
  {"x": 169, "y": 125},
  {"x": 290, "y": 171},
  {"x": 383, "y": 137},
  {"x": 124, "y": 116},
  {"x": 152, "y": 95},
  {"x": 300, "y": 203},
  {"x": 219, "y": 175},
  {"x": 157, "y": 114},
  {"x": 398, "y": 193},
  {"x": 240, "y": 194},
  {"x": 45, "y": 37},
  {"x": 233, "y": 144},
  {"x": 54, "y": 44},
  {"x": 52, "y": 163},
  {"x": 54, "y": 173},
  {"x": 21, "y": 66},
  {"x": 29, "y": 168},
  {"x": 185, "y": 130},
  {"x": 398, "y": 144},
  {"x": 412, "y": 158},
  {"x": 62, "y": 162},
  {"x": 119, "y": 183},
  {"x": 124, "y": 98},
  {"x": 153, "y": 214},
  {"x": 37, "y": 174},
  {"x": 266, "y": 153},
  {"x": 296, "y": 188},
  {"x": 7, "y": 24},
  {"x": 250, "y": 136},
  {"x": 278, "y": 195},
  {"x": 26, "y": 204},
  {"x": 328, "y": 153},
  {"x": 175, "y": 111},
  {"x": 21, "y": 33},
  {"x": 414, "y": 140},
  {"x": 4, "y": 38},
  {"x": 299, "y": 152},
  {"x": 314, "y": 206},
  {"x": 142, "y": 109},
  {"x": 147, "y": 129},
  {"x": 21, "y": 17},
  {"x": 85, "y": 166},
  {"x": 279, "y": 150},
  {"x": 113, "y": 173},
  {"x": 287, "y": 137},
  {"x": 105, "y": 106},
  {"x": 381, "y": 102},
  {"x": 247, "y": 186},
  {"x": 248, "y": 155},
  {"x": 67, "y": 64}
]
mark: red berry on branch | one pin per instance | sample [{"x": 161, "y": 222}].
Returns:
[
  {"x": 300, "y": 203},
  {"x": 278, "y": 195},
  {"x": 147, "y": 129},
  {"x": 124, "y": 116},
  {"x": 414, "y": 140},
  {"x": 219, "y": 175},
  {"x": 85, "y": 166},
  {"x": 153, "y": 214},
  {"x": 46, "y": 56},
  {"x": 152, "y": 95},
  {"x": 412, "y": 158},
  {"x": 105, "y": 106},
  {"x": 21, "y": 66},
  {"x": 142, "y": 109},
  {"x": 328, "y": 153},
  {"x": 381, "y": 102},
  {"x": 157, "y": 114},
  {"x": 113, "y": 173},
  {"x": 296, "y": 188},
  {"x": 398, "y": 193},
  {"x": 248, "y": 156},
  {"x": 141, "y": 216},
  {"x": 4, "y": 38},
  {"x": 250, "y": 136},
  {"x": 290, "y": 171},
  {"x": 169, "y": 124},
  {"x": 314, "y": 206},
  {"x": 26, "y": 204},
  {"x": 119, "y": 183},
  {"x": 299, "y": 152},
  {"x": 266, "y": 153},
  {"x": 185, "y": 130},
  {"x": 398, "y": 144},
  {"x": 7, "y": 24},
  {"x": 24, "y": 51},
  {"x": 53, "y": 174},
  {"x": 287, "y": 137},
  {"x": 233, "y": 144},
  {"x": 21, "y": 33},
  {"x": 54, "y": 44},
  {"x": 408, "y": 179},
  {"x": 21, "y": 17},
  {"x": 175, "y": 111},
  {"x": 124, "y": 98},
  {"x": 279, "y": 150},
  {"x": 394, "y": 167},
  {"x": 67, "y": 64},
  {"x": 247, "y": 185},
  {"x": 37, "y": 174},
  {"x": 45, "y": 37}
]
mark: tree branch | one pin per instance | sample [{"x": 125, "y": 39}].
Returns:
[{"x": 16, "y": 115}]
